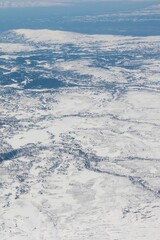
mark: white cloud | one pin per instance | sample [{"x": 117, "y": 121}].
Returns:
[{"x": 23, "y": 3}]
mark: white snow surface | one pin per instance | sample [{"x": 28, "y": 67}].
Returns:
[{"x": 82, "y": 162}]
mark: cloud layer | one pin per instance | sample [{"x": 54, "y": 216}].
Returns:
[{"x": 23, "y": 3}]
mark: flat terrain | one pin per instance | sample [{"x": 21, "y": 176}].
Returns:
[{"x": 80, "y": 130}]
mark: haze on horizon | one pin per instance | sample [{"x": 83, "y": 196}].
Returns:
[{"x": 34, "y": 3}]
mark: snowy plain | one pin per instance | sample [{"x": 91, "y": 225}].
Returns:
[{"x": 80, "y": 158}]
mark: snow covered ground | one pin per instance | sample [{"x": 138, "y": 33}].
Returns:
[{"x": 80, "y": 158}]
